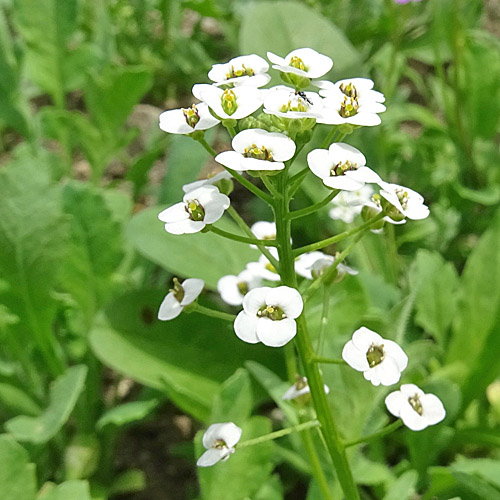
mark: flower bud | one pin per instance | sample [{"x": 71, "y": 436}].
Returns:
[{"x": 368, "y": 213}]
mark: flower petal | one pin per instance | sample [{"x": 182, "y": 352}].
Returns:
[
  {"x": 287, "y": 298},
  {"x": 395, "y": 401},
  {"x": 255, "y": 299},
  {"x": 170, "y": 308},
  {"x": 245, "y": 327},
  {"x": 363, "y": 338},
  {"x": 175, "y": 213},
  {"x": 354, "y": 357},
  {"x": 211, "y": 457},
  {"x": 433, "y": 409},
  {"x": 192, "y": 288},
  {"x": 276, "y": 333}
]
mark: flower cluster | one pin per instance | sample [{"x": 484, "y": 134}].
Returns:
[{"x": 265, "y": 145}]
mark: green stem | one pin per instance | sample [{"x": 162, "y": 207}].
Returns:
[
  {"x": 313, "y": 208},
  {"x": 338, "y": 237},
  {"x": 329, "y": 138},
  {"x": 242, "y": 239},
  {"x": 278, "y": 434},
  {"x": 328, "y": 361},
  {"x": 324, "y": 318},
  {"x": 303, "y": 343},
  {"x": 270, "y": 186},
  {"x": 371, "y": 437},
  {"x": 244, "y": 227},
  {"x": 244, "y": 182},
  {"x": 213, "y": 313},
  {"x": 296, "y": 180}
]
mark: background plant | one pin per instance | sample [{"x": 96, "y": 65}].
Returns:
[{"x": 79, "y": 273}]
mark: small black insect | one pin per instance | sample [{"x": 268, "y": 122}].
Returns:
[{"x": 302, "y": 95}]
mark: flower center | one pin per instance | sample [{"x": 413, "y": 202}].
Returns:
[
  {"x": 191, "y": 116},
  {"x": 377, "y": 199},
  {"x": 228, "y": 101},
  {"x": 416, "y": 404},
  {"x": 349, "y": 107},
  {"x": 195, "y": 210},
  {"x": 298, "y": 63},
  {"x": 297, "y": 104},
  {"x": 272, "y": 312},
  {"x": 219, "y": 444},
  {"x": 261, "y": 153},
  {"x": 402, "y": 197},
  {"x": 375, "y": 355},
  {"x": 269, "y": 266},
  {"x": 242, "y": 287},
  {"x": 236, "y": 73},
  {"x": 349, "y": 90},
  {"x": 343, "y": 166},
  {"x": 300, "y": 383},
  {"x": 177, "y": 290}
]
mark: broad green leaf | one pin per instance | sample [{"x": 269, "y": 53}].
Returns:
[
  {"x": 404, "y": 487},
  {"x": 270, "y": 490},
  {"x": 185, "y": 159},
  {"x": 234, "y": 401},
  {"x": 200, "y": 255},
  {"x": 33, "y": 233},
  {"x": 127, "y": 413},
  {"x": 191, "y": 354},
  {"x": 95, "y": 250},
  {"x": 479, "y": 303},
  {"x": 111, "y": 96},
  {"x": 247, "y": 469},
  {"x": 435, "y": 282},
  {"x": 64, "y": 394},
  {"x": 368, "y": 472},
  {"x": 74, "y": 490},
  {"x": 46, "y": 27},
  {"x": 17, "y": 475},
  {"x": 486, "y": 468},
  {"x": 282, "y": 26}
]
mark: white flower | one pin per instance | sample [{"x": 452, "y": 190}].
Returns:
[
  {"x": 416, "y": 409},
  {"x": 180, "y": 296},
  {"x": 264, "y": 230},
  {"x": 361, "y": 88},
  {"x": 233, "y": 103},
  {"x": 233, "y": 289},
  {"x": 302, "y": 62},
  {"x": 187, "y": 120},
  {"x": 285, "y": 102},
  {"x": 300, "y": 388},
  {"x": 257, "y": 149},
  {"x": 347, "y": 204},
  {"x": 263, "y": 268},
  {"x": 268, "y": 316},
  {"x": 209, "y": 181},
  {"x": 242, "y": 70},
  {"x": 314, "y": 264},
  {"x": 380, "y": 360},
  {"x": 408, "y": 203},
  {"x": 201, "y": 206},
  {"x": 351, "y": 101},
  {"x": 341, "y": 167},
  {"x": 219, "y": 440}
]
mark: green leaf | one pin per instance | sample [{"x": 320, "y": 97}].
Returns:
[
  {"x": 95, "y": 250},
  {"x": 64, "y": 394},
  {"x": 486, "y": 468},
  {"x": 46, "y": 27},
  {"x": 191, "y": 354},
  {"x": 435, "y": 282},
  {"x": 127, "y": 413},
  {"x": 479, "y": 303},
  {"x": 270, "y": 490},
  {"x": 404, "y": 487},
  {"x": 13, "y": 104},
  {"x": 33, "y": 233},
  {"x": 130, "y": 481},
  {"x": 16, "y": 401},
  {"x": 282, "y": 26},
  {"x": 242, "y": 475},
  {"x": 74, "y": 490},
  {"x": 234, "y": 401},
  {"x": 200, "y": 255},
  {"x": 111, "y": 96},
  {"x": 81, "y": 456},
  {"x": 17, "y": 475}
]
